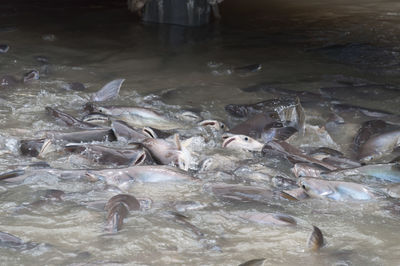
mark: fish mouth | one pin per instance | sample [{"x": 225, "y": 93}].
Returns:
[{"x": 227, "y": 141}]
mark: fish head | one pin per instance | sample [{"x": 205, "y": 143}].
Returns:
[
  {"x": 315, "y": 187},
  {"x": 103, "y": 110},
  {"x": 215, "y": 124},
  {"x": 242, "y": 142}
]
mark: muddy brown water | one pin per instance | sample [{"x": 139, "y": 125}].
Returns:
[{"x": 304, "y": 45}]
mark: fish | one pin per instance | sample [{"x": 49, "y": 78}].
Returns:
[
  {"x": 378, "y": 146},
  {"x": 255, "y": 125},
  {"x": 127, "y": 133},
  {"x": 96, "y": 119},
  {"x": 14, "y": 242},
  {"x": 139, "y": 117},
  {"x": 315, "y": 240},
  {"x": 268, "y": 218},
  {"x": 69, "y": 119},
  {"x": 122, "y": 177},
  {"x": 367, "y": 130},
  {"x": 242, "y": 193},
  {"x": 388, "y": 172},
  {"x": 133, "y": 155},
  {"x": 82, "y": 136},
  {"x": 289, "y": 110},
  {"x": 253, "y": 262},
  {"x": 30, "y": 76},
  {"x": 215, "y": 124},
  {"x": 108, "y": 91},
  {"x": 335, "y": 190},
  {"x": 242, "y": 142},
  {"x": 293, "y": 153},
  {"x": 243, "y": 70},
  {"x": 4, "y": 48},
  {"x": 308, "y": 169},
  {"x": 375, "y": 113},
  {"x": 31, "y": 147},
  {"x": 168, "y": 153},
  {"x": 75, "y": 86},
  {"x": 118, "y": 208}
]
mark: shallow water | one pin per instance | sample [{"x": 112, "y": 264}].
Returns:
[{"x": 174, "y": 69}]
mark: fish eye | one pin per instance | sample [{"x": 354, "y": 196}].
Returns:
[
  {"x": 304, "y": 187},
  {"x": 246, "y": 138},
  {"x": 222, "y": 125}
]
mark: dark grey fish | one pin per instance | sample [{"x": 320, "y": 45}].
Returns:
[
  {"x": 135, "y": 155},
  {"x": 69, "y": 119},
  {"x": 42, "y": 59},
  {"x": 82, "y": 136},
  {"x": 340, "y": 108},
  {"x": 31, "y": 147},
  {"x": 254, "y": 126},
  {"x": 276, "y": 131},
  {"x": 369, "y": 129},
  {"x": 118, "y": 208},
  {"x": 253, "y": 262},
  {"x": 30, "y": 76},
  {"x": 75, "y": 86},
  {"x": 11, "y": 241},
  {"x": 108, "y": 92},
  {"x": 292, "y": 152},
  {"x": 305, "y": 96},
  {"x": 125, "y": 132},
  {"x": 11, "y": 174},
  {"x": 316, "y": 239},
  {"x": 243, "y": 193},
  {"x": 4, "y": 48},
  {"x": 248, "y": 69},
  {"x": 289, "y": 110}
]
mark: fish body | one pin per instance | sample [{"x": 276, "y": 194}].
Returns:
[
  {"x": 140, "y": 117},
  {"x": 377, "y": 146},
  {"x": 335, "y": 190}
]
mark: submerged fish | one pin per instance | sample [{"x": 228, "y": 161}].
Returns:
[
  {"x": 11, "y": 241},
  {"x": 117, "y": 209},
  {"x": 4, "y": 48},
  {"x": 335, "y": 190},
  {"x": 269, "y": 218},
  {"x": 243, "y": 193},
  {"x": 389, "y": 172}
]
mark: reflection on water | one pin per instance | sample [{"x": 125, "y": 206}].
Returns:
[{"x": 302, "y": 46}]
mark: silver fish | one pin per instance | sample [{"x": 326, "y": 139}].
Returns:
[{"x": 335, "y": 190}]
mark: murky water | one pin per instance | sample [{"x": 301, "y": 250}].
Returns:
[{"x": 301, "y": 46}]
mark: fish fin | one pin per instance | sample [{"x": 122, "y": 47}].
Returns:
[
  {"x": 316, "y": 239},
  {"x": 177, "y": 142},
  {"x": 109, "y": 91},
  {"x": 46, "y": 148}
]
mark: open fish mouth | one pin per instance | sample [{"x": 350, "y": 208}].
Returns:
[{"x": 228, "y": 141}]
